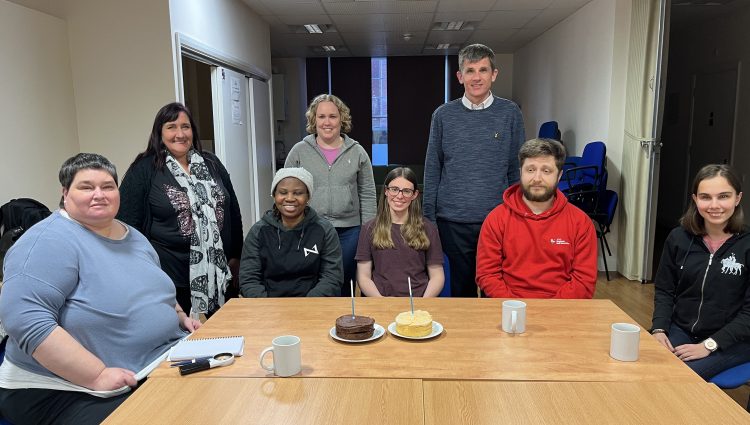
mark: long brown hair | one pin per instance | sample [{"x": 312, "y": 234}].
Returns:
[
  {"x": 693, "y": 222},
  {"x": 413, "y": 230}
]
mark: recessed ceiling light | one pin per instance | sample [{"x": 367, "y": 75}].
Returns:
[
  {"x": 313, "y": 28},
  {"x": 329, "y": 48},
  {"x": 454, "y": 25},
  {"x": 443, "y": 46}
]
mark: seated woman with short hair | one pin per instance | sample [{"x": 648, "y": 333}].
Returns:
[
  {"x": 291, "y": 251},
  {"x": 400, "y": 244},
  {"x": 84, "y": 302}
]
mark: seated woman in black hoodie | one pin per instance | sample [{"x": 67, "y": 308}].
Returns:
[
  {"x": 702, "y": 292},
  {"x": 291, "y": 251}
]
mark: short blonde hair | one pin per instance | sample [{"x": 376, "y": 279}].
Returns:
[{"x": 346, "y": 116}]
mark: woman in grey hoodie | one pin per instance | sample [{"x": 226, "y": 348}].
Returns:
[{"x": 344, "y": 186}]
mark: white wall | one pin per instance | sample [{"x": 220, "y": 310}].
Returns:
[
  {"x": 121, "y": 55},
  {"x": 37, "y": 110},
  {"x": 503, "y": 85},
  {"x": 575, "y": 74},
  {"x": 226, "y": 26},
  {"x": 295, "y": 92}
]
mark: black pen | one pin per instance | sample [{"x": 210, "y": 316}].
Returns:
[{"x": 187, "y": 362}]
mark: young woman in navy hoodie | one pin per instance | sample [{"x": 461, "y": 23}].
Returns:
[{"x": 702, "y": 291}]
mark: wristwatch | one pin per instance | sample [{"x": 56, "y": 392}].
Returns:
[{"x": 710, "y": 344}]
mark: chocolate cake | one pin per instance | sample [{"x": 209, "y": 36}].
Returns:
[{"x": 355, "y": 328}]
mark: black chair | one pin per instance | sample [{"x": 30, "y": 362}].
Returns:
[
  {"x": 590, "y": 194},
  {"x": 603, "y": 218}
]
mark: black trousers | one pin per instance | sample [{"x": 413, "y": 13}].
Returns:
[
  {"x": 42, "y": 406},
  {"x": 459, "y": 242}
]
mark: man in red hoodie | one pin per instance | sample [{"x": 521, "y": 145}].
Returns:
[{"x": 535, "y": 244}]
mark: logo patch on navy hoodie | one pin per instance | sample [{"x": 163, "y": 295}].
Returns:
[
  {"x": 729, "y": 265},
  {"x": 313, "y": 250}
]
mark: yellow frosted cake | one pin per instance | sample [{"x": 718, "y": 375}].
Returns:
[{"x": 418, "y": 324}]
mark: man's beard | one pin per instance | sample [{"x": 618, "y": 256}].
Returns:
[{"x": 538, "y": 197}]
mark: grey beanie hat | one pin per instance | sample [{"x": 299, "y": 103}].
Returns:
[{"x": 299, "y": 173}]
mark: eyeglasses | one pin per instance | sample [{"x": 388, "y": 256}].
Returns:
[{"x": 394, "y": 191}]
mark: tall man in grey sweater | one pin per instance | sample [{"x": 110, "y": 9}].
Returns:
[{"x": 472, "y": 157}]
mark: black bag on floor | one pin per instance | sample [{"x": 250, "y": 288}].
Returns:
[{"x": 16, "y": 217}]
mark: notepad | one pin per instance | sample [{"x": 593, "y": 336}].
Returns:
[{"x": 203, "y": 347}]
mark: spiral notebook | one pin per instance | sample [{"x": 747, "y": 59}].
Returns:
[{"x": 203, "y": 347}]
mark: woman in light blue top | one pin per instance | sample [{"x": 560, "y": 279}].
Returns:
[{"x": 85, "y": 304}]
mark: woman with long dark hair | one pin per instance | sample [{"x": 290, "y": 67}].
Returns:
[
  {"x": 181, "y": 198},
  {"x": 399, "y": 244},
  {"x": 702, "y": 288}
]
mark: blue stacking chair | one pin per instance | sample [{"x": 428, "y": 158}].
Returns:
[
  {"x": 446, "y": 292},
  {"x": 733, "y": 378},
  {"x": 586, "y": 171},
  {"x": 3, "y": 421},
  {"x": 550, "y": 130},
  {"x": 603, "y": 217}
]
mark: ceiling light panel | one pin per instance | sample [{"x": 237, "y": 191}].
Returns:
[{"x": 313, "y": 28}]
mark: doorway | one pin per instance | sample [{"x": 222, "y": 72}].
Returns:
[
  {"x": 231, "y": 104},
  {"x": 700, "y": 105},
  {"x": 196, "y": 79}
]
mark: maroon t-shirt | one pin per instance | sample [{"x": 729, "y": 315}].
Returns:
[{"x": 392, "y": 267}]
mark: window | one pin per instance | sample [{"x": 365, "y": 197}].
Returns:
[{"x": 379, "y": 111}]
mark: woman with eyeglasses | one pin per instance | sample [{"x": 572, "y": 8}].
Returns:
[{"x": 399, "y": 244}]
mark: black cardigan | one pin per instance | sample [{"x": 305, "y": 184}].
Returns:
[{"x": 142, "y": 190}]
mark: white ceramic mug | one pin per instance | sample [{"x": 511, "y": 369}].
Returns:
[
  {"x": 514, "y": 316},
  {"x": 287, "y": 356},
  {"x": 625, "y": 340}
]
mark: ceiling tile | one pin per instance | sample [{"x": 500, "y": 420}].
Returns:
[
  {"x": 375, "y": 37},
  {"x": 507, "y": 19},
  {"x": 258, "y": 7},
  {"x": 460, "y": 16},
  {"x": 569, "y": 3},
  {"x": 464, "y": 5},
  {"x": 370, "y": 7},
  {"x": 358, "y": 23},
  {"x": 409, "y": 22},
  {"x": 304, "y": 19},
  {"x": 308, "y": 39},
  {"x": 521, "y": 4},
  {"x": 418, "y": 37},
  {"x": 451, "y": 37},
  {"x": 550, "y": 17},
  {"x": 287, "y": 7},
  {"x": 490, "y": 37}
]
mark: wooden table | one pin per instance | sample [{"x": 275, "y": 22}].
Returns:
[
  {"x": 565, "y": 340},
  {"x": 273, "y": 401},
  {"x": 412, "y": 402},
  {"x": 621, "y": 403}
]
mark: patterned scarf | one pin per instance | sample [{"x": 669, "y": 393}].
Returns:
[{"x": 209, "y": 272}]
